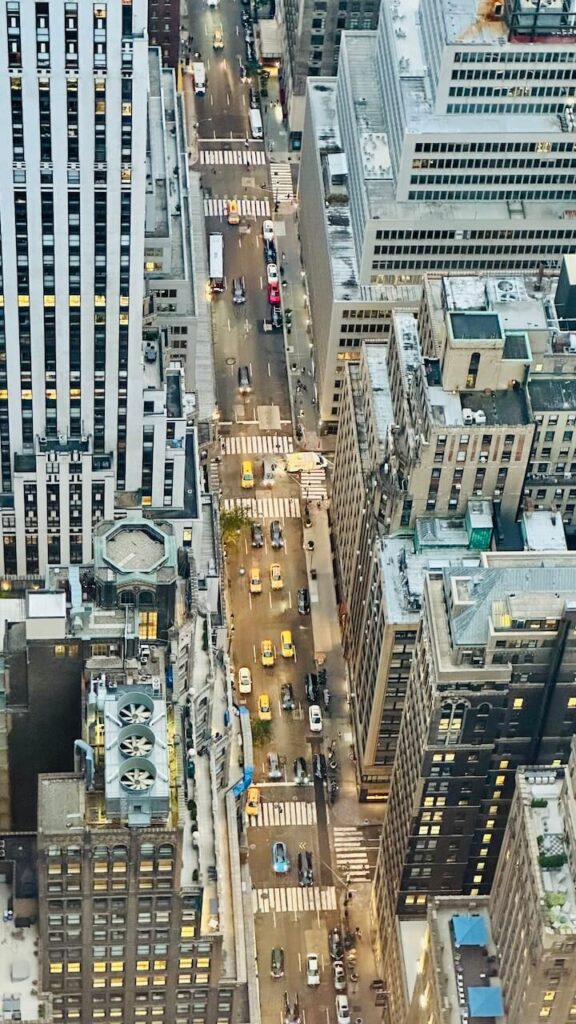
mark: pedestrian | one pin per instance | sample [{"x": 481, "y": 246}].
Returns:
[
  {"x": 247, "y": 165},
  {"x": 246, "y": 143},
  {"x": 265, "y": 108},
  {"x": 339, "y": 734},
  {"x": 284, "y": 257},
  {"x": 213, "y": 170}
]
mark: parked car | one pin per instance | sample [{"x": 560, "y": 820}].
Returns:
[
  {"x": 311, "y": 687},
  {"x": 301, "y": 776},
  {"x": 276, "y": 318},
  {"x": 303, "y": 601},
  {"x": 315, "y": 718},
  {"x": 257, "y": 535},
  {"x": 274, "y": 294},
  {"x": 280, "y": 862},
  {"x": 254, "y": 100},
  {"x": 244, "y": 681},
  {"x": 270, "y": 254},
  {"x": 342, "y": 1010},
  {"x": 319, "y": 766},
  {"x": 312, "y": 969},
  {"x": 335, "y": 944},
  {"x": 339, "y": 976},
  {"x": 238, "y": 291},
  {"x": 272, "y": 273},
  {"x": 277, "y": 962},
  {"x": 287, "y": 697},
  {"x": 268, "y": 231},
  {"x": 276, "y": 537},
  {"x": 305, "y": 872}
]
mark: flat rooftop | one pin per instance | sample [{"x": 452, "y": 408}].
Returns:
[
  {"x": 552, "y": 394},
  {"x": 501, "y": 408},
  {"x": 374, "y": 357},
  {"x": 472, "y": 326},
  {"x": 543, "y": 531},
  {"x": 135, "y": 549},
  {"x": 19, "y": 973},
  {"x": 463, "y": 945},
  {"x": 61, "y": 803},
  {"x": 548, "y": 828},
  {"x": 404, "y": 573}
]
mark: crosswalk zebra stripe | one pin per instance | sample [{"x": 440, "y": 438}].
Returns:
[
  {"x": 293, "y": 899},
  {"x": 232, "y": 156},
  {"x": 277, "y": 444},
  {"x": 281, "y": 178},
  {"x": 273, "y": 814},
  {"x": 265, "y": 508},
  {"x": 246, "y": 207}
]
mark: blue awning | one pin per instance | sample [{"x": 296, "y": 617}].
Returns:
[
  {"x": 486, "y": 1001},
  {"x": 469, "y": 931}
]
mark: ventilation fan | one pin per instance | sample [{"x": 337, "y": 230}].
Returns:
[
  {"x": 137, "y": 778},
  {"x": 136, "y": 745},
  {"x": 135, "y": 712}
]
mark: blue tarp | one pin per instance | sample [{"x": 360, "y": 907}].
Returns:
[
  {"x": 469, "y": 931},
  {"x": 486, "y": 1001}
]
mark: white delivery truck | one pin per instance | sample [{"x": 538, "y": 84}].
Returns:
[
  {"x": 199, "y": 73},
  {"x": 256, "y": 124}
]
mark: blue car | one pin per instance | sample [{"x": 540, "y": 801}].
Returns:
[{"x": 280, "y": 862}]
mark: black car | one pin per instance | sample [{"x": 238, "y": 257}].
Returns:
[
  {"x": 287, "y": 697},
  {"x": 254, "y": 97},
  {"x": 311, "y": 687},
  {"x": 244, "y": 379},
  {"x": 319, "y": 766},
  {"x": 335, "y": 944},
  {"x": 276, "y": 318},
  {"x": 250, "y": 52},
  {"x": 276, "y": 537},
  {"x": 270, "y": 253},
  {"x": 305, "y": 872},
  {"x": 257, "y": 535},
  {"x": 301, "y": 776},
  {"x": 303, "y": 601}
]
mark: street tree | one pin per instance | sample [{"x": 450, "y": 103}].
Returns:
[
  {"x": 261, "y": 732},
  {"x": 233, "y": 522}
]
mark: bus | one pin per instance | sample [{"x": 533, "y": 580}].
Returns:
[
  {"x": 216, "y": 262},
  {"x": 199, "y": 74}
]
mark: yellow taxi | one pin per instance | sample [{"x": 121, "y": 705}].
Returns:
[
  {"x": 253, "y": 801},
  {"x": 247, "y": 477},
  {"x": 233, "y": 212},
  {"x": 255, "y": 580},
  {"x": 276, "y": 581},
  {"x": 267, "y": 654},
  {"x": 218, "y": 40},
  {"x": 264, "y": 708},
  {"x": 286, "y": 645}
]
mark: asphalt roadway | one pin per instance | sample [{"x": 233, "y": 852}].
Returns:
[{"x": 286, "y": 915}]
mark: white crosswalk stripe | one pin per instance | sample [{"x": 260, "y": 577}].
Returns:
[
  {"x": 232, "y": 156},
  {"x": 313, "y": 484},
  {"x": 351, "y": 855},
  {"x": 266, "y": 508},
  {"x": 294, "y": 898},
  {"x": 276, "y": 444},
  {"x": 281, "y": 177},
  {"x": 247, "y": 207},
  {"x": 296, "y": 812}
]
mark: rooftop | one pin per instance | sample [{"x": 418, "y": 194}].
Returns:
[
  {"x": 463, "y": 946},
  {"x": 552, "y": 393},
  {"x": 542, "y": 791},
  {"x": 61, "y": 803},
  {"x": 19, "y": 973},
  {"x": 374, "y": 357},
  {"x": 134, "y": 549},
  {"x": 502, "y": 598},
  {"x": 404, "y": 572},
  {"x": 543, "y": 531}
]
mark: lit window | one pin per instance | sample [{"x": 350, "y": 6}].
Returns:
[
  {"x": 59, "y": 650},
  {"x": 117, "y": 965},
  {"x": 490, "y": 823},
  {"x": 74, "y": 967},
  {"x": 572, "y": 702},
  {"x": 56, "y": 968},
  {"x": 518, "y": 703},
  {"x": 474, "y": 892},
  {"x": 486, "y": 838},
  {"x": 500, "y": 780},
  {"x": 503, "y": 764},
  {"x": 409, "y": 900},
  {"x": 477, "y": 879},
  {"x": 99, "y": 967},
  {"x": 550, "y": 996},
  {"x": 142, "y": 965},
  {"x": 545, "y": 1011}
]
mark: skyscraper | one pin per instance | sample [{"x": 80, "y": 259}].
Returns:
[
  {"x": 452, "y": 130},
  {"x": 73, "y": 88}
]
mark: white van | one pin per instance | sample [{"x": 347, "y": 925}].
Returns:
[{"x": 256, "y": 124}]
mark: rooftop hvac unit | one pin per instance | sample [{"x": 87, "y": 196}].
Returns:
[{"x": 136, "y": 756}]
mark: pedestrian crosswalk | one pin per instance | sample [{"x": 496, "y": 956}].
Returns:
[
  {"x": 281, "y": 177},
  {"x": 352, "y": 861},
  {"x": 296, "y": 812},
  {"x": 265, "y": 508},
  {"x": 275, "y": 444},
  {"x": 313, "y": 485},
  {"x": 214, "y": 476},
  {"x": 246, "y": 207},
  {"x": 293, "y": 898},
  {"x": 232, "y": 156}
]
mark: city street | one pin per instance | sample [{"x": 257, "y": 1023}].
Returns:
[{"x": 257, "y": 425}]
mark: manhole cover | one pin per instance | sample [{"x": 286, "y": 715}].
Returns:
[{"x": 231, "y": 360}]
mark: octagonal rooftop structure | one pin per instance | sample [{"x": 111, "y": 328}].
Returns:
[{"x": 137, "y": 549}]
